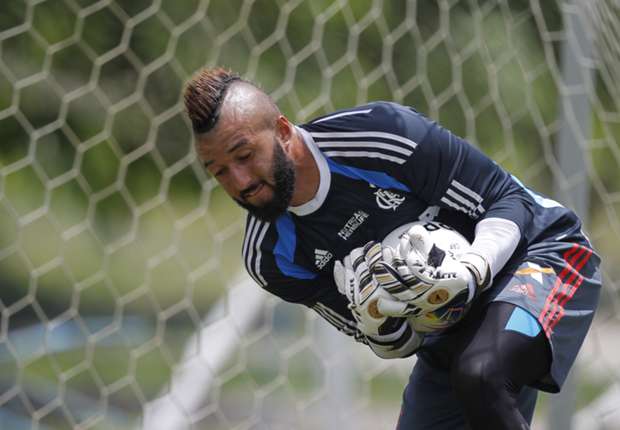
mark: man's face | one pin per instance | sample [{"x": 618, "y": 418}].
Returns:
[{"x": 251, "y": 166}]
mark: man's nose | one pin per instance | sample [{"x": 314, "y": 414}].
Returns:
[{"x": 241, "y": 178}]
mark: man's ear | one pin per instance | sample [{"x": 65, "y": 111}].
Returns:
[{"x": 284, "y": 130}]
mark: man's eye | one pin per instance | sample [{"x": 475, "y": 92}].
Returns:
[{"x": 245, "y": 156}]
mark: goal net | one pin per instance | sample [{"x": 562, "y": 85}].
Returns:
[{"x": 122, "y": 296}]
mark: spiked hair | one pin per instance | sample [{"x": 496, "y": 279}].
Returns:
[{"x": 203, "y": 97}]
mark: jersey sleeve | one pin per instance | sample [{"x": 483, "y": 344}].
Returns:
[
  {"x": 396, "y": 340},
  {"x": 447, "y": 171},
  {"x": 281, "y": 277}
]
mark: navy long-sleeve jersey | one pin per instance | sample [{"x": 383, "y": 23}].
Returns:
[{"x": 382, "y": 165}]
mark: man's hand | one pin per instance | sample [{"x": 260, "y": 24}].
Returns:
[
  {"x": 354, "y": 278},
  {"x": 421, "y": 276}
]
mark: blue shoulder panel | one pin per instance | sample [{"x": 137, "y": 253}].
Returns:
[
  {"x": 379, "y": 179},
  {"x": 284, "y": 250}
]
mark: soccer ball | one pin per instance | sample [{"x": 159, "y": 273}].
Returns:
[{"x": 453, "y": 244}]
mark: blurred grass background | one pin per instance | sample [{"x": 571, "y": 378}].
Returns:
[{"x": 108, "y": 224}]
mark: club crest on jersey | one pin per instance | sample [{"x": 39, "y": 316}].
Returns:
[
  {"x": 388, "y": 199},
  {"x": 322, "y": 257}
]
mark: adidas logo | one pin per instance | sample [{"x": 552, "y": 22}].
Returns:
[{"x": 322, "y": 257}]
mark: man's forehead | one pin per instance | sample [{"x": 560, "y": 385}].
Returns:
[
  {"x": 221, "y": 141},
  {"x": 243, "y": 114}
]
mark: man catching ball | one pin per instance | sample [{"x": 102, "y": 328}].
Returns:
[{"x": 322, "y": 196}]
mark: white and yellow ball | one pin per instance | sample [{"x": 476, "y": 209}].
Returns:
[{"x": 452, "y": 243}]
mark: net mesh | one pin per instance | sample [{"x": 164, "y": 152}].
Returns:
[{"x": 119, "y": 256}]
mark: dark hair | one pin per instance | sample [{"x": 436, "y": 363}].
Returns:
[{"x": 203, "y": 97}]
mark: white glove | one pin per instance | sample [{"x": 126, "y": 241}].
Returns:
[
  {"x": 355, "y": 280},
  {"x": 423, "y": 277}
]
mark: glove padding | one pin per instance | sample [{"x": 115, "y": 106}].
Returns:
[
  {"x": 355, "y": 279},
  {"x": 421, "y": 276}
]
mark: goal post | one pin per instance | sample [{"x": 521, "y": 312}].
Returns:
[
  {"x": 120, "y": 268},
  {"x": 205, "y": 355}
]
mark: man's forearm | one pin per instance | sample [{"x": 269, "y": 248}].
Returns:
[{"x": 496, "y": 240}]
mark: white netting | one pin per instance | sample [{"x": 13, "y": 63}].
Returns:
[{"x": 119, "y": 257}]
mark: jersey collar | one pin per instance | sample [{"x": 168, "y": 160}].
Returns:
[{"x": 324, "y": 178}]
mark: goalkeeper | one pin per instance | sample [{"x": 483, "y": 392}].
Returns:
[{"x": 321, "y": 197}]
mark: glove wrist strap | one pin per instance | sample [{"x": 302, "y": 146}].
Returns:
[{"x": 479, "y": 267}]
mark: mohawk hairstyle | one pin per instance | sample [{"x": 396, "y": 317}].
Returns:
[{"x": 203, "y": 97}]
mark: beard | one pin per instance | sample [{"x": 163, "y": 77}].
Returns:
[{"x": 284, "y": 185}]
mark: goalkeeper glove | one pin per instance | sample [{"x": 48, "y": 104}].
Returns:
[
  {"x": 424, "y": 278},
  {"x": 354, "y": 279}
]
